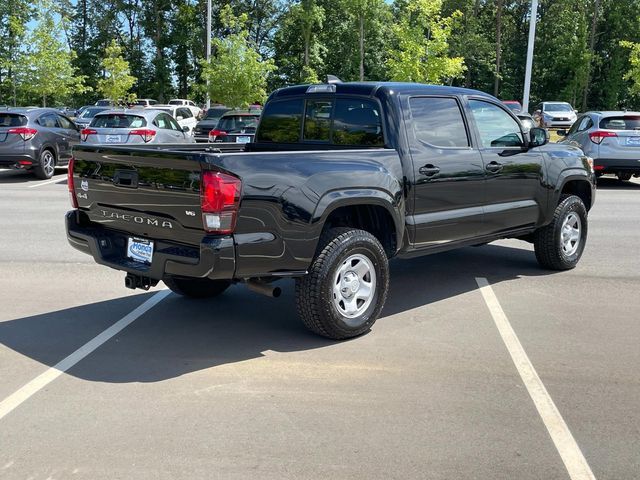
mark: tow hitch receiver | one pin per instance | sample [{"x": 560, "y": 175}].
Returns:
[{"x": 135, "y": 281}]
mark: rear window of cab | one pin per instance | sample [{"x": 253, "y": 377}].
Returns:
[{"x": 334, "y": 121}]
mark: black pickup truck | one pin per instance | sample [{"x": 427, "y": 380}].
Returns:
[{"x": 341, "y": 177}]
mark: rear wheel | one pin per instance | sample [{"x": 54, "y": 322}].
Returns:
[
  {"x": 47, "y": 165},
  {"x": 196, "y": 287},
  {"x": 346, "y": 287},
  {"x": 624, "y": 177},
  {"x": 560, "y": 244}
]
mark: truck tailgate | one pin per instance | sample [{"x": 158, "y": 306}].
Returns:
[{"x": 151, "y": 194}]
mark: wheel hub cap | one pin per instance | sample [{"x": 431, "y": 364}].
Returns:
[
  {"x": 570, "y": 234},
  {"x": 354, "y": 286}
]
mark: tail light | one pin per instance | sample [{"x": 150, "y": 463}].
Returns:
[
  {"x": 220, "y": 200},
  {"x": 25, "y": 133},
  {"x": 146, "y": 134},
  {"x": 85, "y": 132},
  {"x": 599, "y": 135},
  {"x": 72, "y": 193},
  {"x": 214, "y": 134}
]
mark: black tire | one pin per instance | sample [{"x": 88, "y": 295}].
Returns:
[
  {"x": 624, "y": 177},
  {"x": 196, "y": 287},
  {"x": 46, "y": 165},
  {"x": 548, "y": 239},
  {"x": 315, "y": 291}
]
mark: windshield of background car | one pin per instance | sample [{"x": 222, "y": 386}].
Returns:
[
  {"x": 234, "y": 123},
  {"x": 12, "y": 120},
  {"x": 90, "y": 112},
  {"x": 215, "y": 113},
  {"x": 621, "y": 123},
  {"x": 118, "y": 120},
  {"x": 557, "y": 107}
]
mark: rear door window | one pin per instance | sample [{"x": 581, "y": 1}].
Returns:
[
  {"x": 626, "y": 122},
  {"x": 281, "y": 122},
  {"x": 64, "y": 123},
  {"x": 438, "y": 121},
  {"x": 50, "y": 120},
  {"x": 357, "y": 122},
  {"x": 166, "y": 122}
]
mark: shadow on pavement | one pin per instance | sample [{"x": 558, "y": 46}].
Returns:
[
  {"x": 180, "y": 336},
  {"x": 612, "y": 183}
]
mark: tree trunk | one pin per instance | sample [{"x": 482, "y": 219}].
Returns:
[
  {"x": 592, "y": 44},
  {"x": 361, "y": 19},
  {"x": 496, "y": 84}
]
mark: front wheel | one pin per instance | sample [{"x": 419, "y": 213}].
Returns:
[
  {"x": 560, "y": 244},
  {"x": 196, "y": 287},
  {"x": 624, "y": 177},
  {"x": 346, "y": 287}
]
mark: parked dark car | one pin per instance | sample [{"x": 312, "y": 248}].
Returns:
[
  {"x": 209, "y": 122},
  {"x": 341, "y": 178},
  {"x": 37, "y": 140},
  {"x": 236, "y": 127},
  {"x": 84, "y": 118}
]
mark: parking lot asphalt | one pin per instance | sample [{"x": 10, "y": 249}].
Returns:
[{"x": 236, "y": 388}]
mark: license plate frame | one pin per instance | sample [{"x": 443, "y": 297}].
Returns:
[
  {"x": 140, "y": 250},
  {"x": 243, "y": 139}
]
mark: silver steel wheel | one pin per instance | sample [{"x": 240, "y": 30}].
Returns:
[
  {"x": 48, "y": 163},
  {"x": 570, "y": 234},
  {"x": 354, "y": 285}
]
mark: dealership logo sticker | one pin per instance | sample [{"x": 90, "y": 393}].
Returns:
[{"x": 84, "y": 185}]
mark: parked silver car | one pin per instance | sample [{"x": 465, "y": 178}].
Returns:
[
  {"x": 612, "y": 139},
  {"x": 85, "y": 117},
  {"x": 554, "y": 115},
  {"x": 36, "y": 140},
  {"x": 135, "y": 126}
]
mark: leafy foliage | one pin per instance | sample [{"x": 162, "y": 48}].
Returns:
[
  {"x": 236, "y": 74},
  {"x": 117, "y": 81}
]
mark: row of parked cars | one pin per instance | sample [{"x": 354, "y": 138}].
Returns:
[
  {"x": 39, "y": 139},
  {"x": 611, "y": 138}
]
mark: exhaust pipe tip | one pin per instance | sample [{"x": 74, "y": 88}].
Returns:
[{"x": 264, "y": 288}]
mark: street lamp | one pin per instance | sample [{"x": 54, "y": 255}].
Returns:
[{"x": 532, "y": 40}]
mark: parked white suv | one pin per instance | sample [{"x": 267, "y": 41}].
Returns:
[
  {"x": 183, "y": 115},
  {"x": 197, "y": 111}
]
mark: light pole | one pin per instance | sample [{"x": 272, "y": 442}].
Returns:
[
  {"x": 532, "y": 40},
  {"x": 208, "y": 47}
]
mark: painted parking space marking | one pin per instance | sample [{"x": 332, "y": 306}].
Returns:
[
  {"x": 54, "y": 180},
  {"x": 567, "y": 447},
  {"x": 24, "y": 393}
]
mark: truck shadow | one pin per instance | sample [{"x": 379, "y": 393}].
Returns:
[
  {"x": 181, "y": 336},
  {"x": 612, "y": 183},
  {"x": 24, "y": 177}
]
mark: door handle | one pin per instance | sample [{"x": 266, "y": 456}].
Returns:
[
  {"x": 494, "y": 167},
  {"x": 429, "y": 170}
]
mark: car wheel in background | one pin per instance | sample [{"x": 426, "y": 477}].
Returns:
[
  {"x": 624, "y": 177},
  {"x": 560, "y": 244},
  {"x": 346, "y": 287},
  {"x": 46, "y": 166}
]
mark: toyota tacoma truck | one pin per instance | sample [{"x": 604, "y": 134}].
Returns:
[{"x": 340, "y": 178}]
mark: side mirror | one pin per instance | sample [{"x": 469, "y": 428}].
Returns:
[
  {"x": 185, "y": 129},
  {"x": 538, "y": 137},
  {"x": 561, "y": 133}
]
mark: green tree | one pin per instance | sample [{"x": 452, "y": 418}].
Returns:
[
  {"x": 117, "y": 81},
  {"x": 420, "y": 52},
  {"x": 633, "y": 74},
  {"x": 14, "y": 14},
  {"x": 236, "y": 73},
  {"x": 47, "y": 64}
]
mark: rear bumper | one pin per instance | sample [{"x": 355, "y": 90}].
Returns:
[
  {"x": 214, "y": 258},
  {"x": 13, "y": 160},
  {"x": 611, "y": 165}
]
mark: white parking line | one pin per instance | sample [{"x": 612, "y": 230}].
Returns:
[
  {"x": 24, "y": 393},
  {"x": 54, "y": 180},
  {"x": 566, "y": 445}
]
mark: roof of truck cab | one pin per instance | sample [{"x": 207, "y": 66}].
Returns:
[{"x": 390, "y": 88}]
